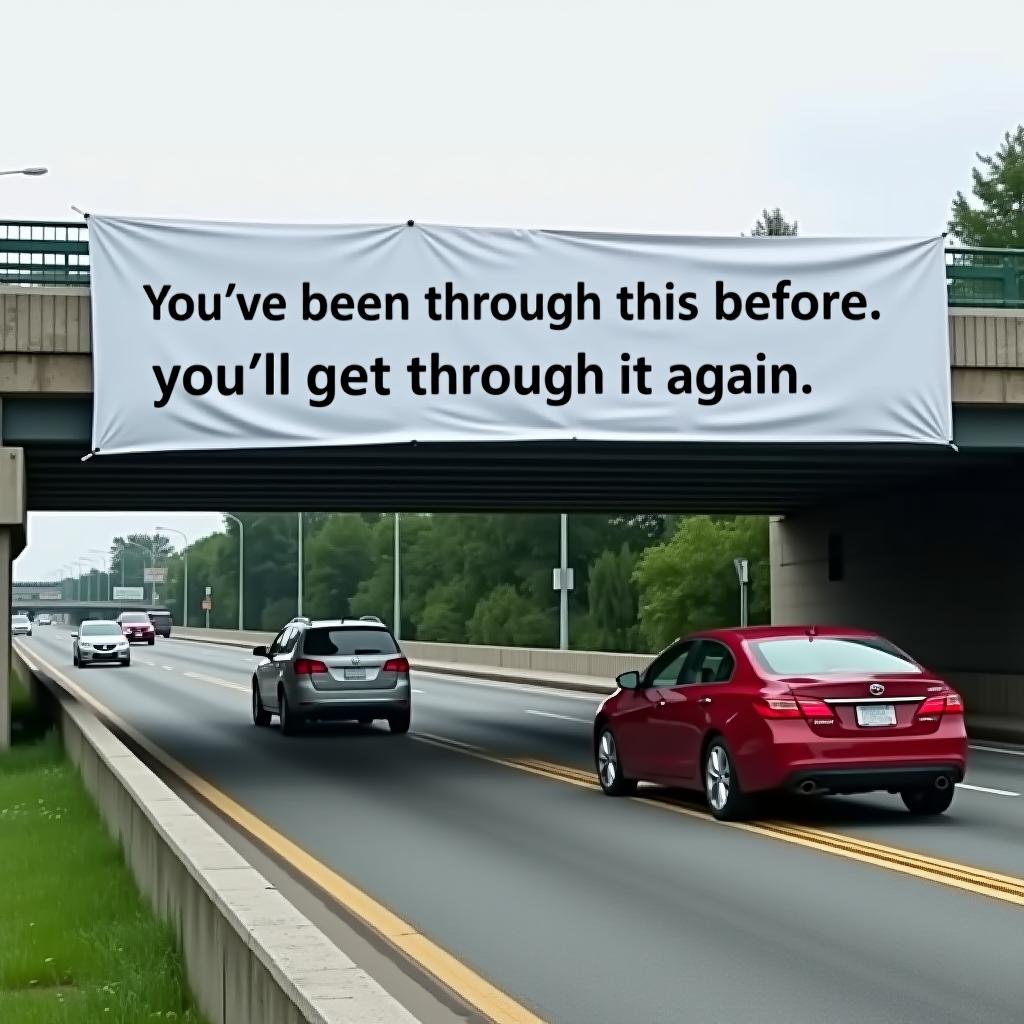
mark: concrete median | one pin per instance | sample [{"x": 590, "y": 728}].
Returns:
[{"x": 250, "y": 956}]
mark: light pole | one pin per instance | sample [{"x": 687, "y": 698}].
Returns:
[
  {"x": 563, "y": 584},
  {"x": 398, "y": 582},
  {"x": 106, "y": 565},
  {"x": 184, "y": 554},
  {"x": 32, "y": 172},
  {"x": 742, "y": 567},
  {"x": 152, "y": 555},
  {"x": 91, "y": 562},
  {"x": 299, "y": 603},
  {"x": 241, "y": 569}
]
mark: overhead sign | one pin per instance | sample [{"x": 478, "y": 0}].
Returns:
[
  {"x": 226, "y": 336},
  {"x": 50, "y": 595},
  {"x": 128, "y": 593},
  {"x": 154, "y": 574}
]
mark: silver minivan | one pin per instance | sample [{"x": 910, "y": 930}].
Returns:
[{"x": 333, "y": 670}]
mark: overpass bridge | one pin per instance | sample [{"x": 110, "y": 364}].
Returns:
[{"x": 922, "y": 545}]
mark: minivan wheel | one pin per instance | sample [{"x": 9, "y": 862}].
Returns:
[
  {"x": 260, "y": 715},
  {"x": 726, "y": 799},
  {"x": 609, "y": 767},
  {"x": 928, "y": 801},
  {"x": 289, "y": 723}
]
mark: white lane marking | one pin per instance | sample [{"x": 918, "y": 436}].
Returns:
[
  {"x": 444, "y": 739},
  {"x": 997, "y": 750},
  {"x": 417, "y": 691},
  {"x": 986, "y": 789},
  {"x": 143, "y": 661},
  {"x": 216, "y": 682},
  {"x": 167, "y": 668},
  {"x": 565, "y": 718},
  {"x": 532, "y": 688}
]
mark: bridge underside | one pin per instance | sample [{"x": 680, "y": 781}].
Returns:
[{"x": 558, "y": 476}]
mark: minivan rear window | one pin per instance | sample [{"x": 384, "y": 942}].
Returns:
[
  {"x": 832, "y": 655},
  {"x": 326, "y": 642}
]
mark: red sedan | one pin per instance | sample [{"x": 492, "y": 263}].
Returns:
[{"x": 737, "y": 712}]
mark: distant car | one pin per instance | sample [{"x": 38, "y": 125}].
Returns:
[
  {"x": 44, "y": 619},
  {"x": 137, "y": 627},
  {"x": 161, "y": 620},
  {"x": 21, "y": 625},
  {"x": 100, "y": 640},
  {"x": 335, "y": 670},
  {"x": 737, "y": 712}
]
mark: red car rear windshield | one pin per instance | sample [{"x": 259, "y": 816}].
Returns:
[
  {"x": 832, "y": 655},
  {"x": 134, "y": 617}
]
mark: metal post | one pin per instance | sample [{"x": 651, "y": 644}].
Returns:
[
  {"x": 241, "y": 569},
  {"x": 397, "y": 610},
  {"x": 300, "y": 566},
  {"x": 184, "y": 556},
  {"x": 563, "y": 590},
  {"x": 742, "y": 567}
]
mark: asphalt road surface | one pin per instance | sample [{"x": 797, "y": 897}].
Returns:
[{"x": 590, "y": 910}]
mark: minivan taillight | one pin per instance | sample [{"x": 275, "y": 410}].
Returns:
[
  {"x": 941, "y": 704},
  {"x": 399, "y": 665},
  {"x": 309, "y": 667}
]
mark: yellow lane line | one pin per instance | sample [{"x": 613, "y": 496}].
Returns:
[
  {"x": 457, "y": 976},
  {"x": 919, "y": 865}
]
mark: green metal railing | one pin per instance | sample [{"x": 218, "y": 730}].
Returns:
[{"x": 53, "y": 252}]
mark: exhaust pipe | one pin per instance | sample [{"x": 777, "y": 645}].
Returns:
[
  {"x": 942, "y": 782},
  {"x": 807, "y": 787}
]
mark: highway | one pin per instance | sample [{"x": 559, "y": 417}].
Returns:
[{"x": 484, "y": 829}]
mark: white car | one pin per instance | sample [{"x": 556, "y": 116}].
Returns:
[
  {"x": 99, "y": 640},
  {"x": 21, "y": 625},
  {"x": 44, "y": 620}
]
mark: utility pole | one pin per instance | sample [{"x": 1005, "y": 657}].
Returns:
[
  {"x": 742, "y": 567},
  {"x": 397, "y": 610},
  {"x": 299, "y": 603},
  {"x": 564, "y": 584}
]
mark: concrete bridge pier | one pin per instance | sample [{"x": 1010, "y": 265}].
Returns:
[{"x": 12, "y": 541}]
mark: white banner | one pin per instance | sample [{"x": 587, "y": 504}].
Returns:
[
  {"x": 224, "y": 336},
  {"x": 129, "y": 593}
]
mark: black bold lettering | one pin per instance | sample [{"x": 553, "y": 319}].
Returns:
[{"x": 156, "y": 300}]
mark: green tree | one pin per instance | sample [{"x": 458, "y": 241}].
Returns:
[
  {"x": 506, "y": 617},
  {"x": 772, "y": 222},
  {"x": 689, "y": 583},
  {"x": 611, "y": 600},
  {"x": 998, "y": 187},
  {"x": 338, "y": 559}
]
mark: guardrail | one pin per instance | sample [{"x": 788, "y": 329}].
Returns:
[
  {"x": 250, "y": 956},
  {"x": 57, "y": 253}
]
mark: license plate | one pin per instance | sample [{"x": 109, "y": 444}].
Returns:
[
  {"x": 876, "y": 714},
  {"x": 355, "y": 673}
]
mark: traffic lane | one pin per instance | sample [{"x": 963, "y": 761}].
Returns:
[
  {"x": 982, "y": 828},
  {"x": 586, "y": 908}
]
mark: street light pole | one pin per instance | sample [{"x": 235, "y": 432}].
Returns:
[
  {"x": 397, "y": 611},
  {"x": 241, "y": 569},
  {"x": 184, "y": 553},
  {"x": 563, "y": 594},
  {"x": 299, "y": 602}
]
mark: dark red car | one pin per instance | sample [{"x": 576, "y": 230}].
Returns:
[
  {"x": 137, "y": 627},
  {"x": 737, "y": 712}
]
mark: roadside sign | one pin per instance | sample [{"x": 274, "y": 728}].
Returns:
[
  {"x": 207, "y": 604},
  {"x": 128, "y": 593},
  {"x": 209, "y": 591},
  {"x": 50, "y": 595},
  {"x": 154, "y": 574}
]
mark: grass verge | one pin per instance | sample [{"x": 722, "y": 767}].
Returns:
[{"x": 77, "y": 943}]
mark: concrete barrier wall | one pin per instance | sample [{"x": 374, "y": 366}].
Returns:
[
  {"x": 985, "y": 693},
  {"x": 250, "y": 956}
]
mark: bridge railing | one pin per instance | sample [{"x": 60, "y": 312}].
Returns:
[{"x": 57, "y": 253}]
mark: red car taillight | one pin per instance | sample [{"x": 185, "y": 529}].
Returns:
[
  {"x": 309, "y": 667},
  {"x": 399, "y": 665},
  {"x": 941, "y": 704},
  {"x": 795, "y": 707}
]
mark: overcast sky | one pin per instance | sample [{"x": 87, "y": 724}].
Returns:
[{"x": 667, "y": 117}]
